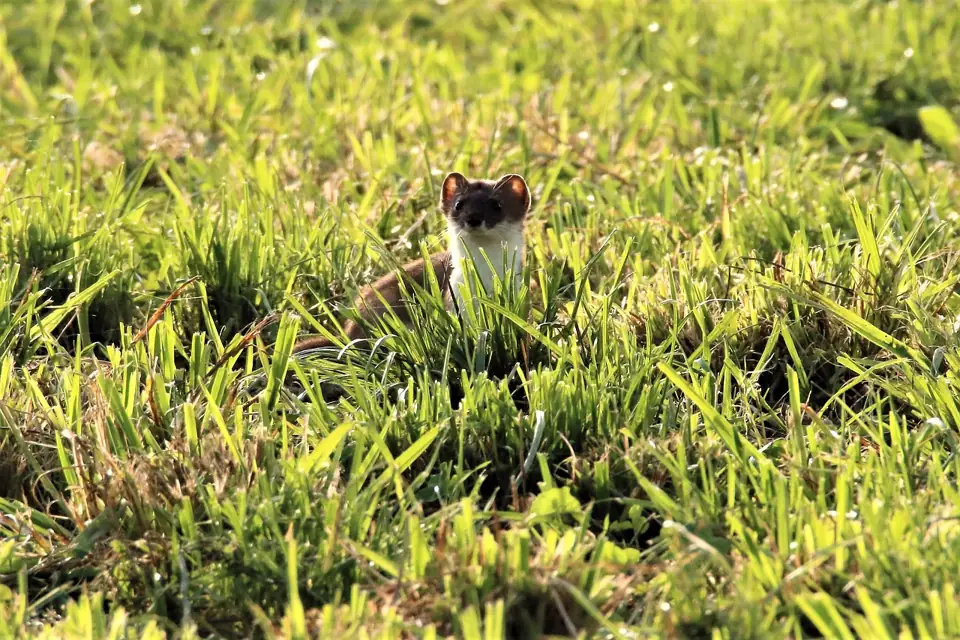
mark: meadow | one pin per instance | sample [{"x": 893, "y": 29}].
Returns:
[{"x": 729, "y": 411}]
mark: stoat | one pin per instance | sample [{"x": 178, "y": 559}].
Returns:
[{"x": 485, "y": 221}]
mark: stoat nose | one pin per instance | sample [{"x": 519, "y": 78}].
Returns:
[{"x": 474, "y": 220}]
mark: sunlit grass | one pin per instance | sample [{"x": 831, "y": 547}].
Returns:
[{"x": 730, "y": 406}]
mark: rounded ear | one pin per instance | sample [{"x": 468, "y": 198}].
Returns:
[
  {"x": 514, "y": 187},
  {"x": 451, "y": 185}
]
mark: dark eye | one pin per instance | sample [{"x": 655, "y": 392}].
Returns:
[
  {"x": 459, "y": 205},
  {"x": 495, "y": 205}
]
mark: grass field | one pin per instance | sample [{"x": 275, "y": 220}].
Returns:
[{"x": 730, "y": 411}]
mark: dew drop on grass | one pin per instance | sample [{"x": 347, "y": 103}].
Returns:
[
  {"x": 664, "y": 606},
  {"x": 668, "y": 86},
  {"x": 908, "y": 52},
  {"x": 135, "y": 10},
  {"x": 325, "y": 44},
  {"x": 839, "y": 102},
  {"x": 206, "y": 30},
  {"x": 653, "y": 27}
]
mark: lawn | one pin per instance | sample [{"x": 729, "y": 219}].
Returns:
[{"x": 730, "y": 409}]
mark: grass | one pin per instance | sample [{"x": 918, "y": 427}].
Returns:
[{"x": 729, "y": 411}]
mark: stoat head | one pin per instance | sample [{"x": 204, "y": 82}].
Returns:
[{"x": 482, "y": 206}]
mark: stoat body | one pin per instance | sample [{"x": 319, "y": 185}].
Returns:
[
  {"x": 494, "y": 254},
  {"x": 485, "y": 224}
]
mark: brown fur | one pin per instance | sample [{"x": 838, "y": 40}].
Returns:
[
  {"x": 370, "y": 305},
  {"x": 510, "y": 192}
]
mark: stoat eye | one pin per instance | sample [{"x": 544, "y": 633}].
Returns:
[
  {"x": 495, "y": 205},
  {"x": 459, "y": 205}
]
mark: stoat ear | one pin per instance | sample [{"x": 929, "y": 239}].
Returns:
[
  {"x": 451, "y": 185},
  {"x": 514, "y": 188}
]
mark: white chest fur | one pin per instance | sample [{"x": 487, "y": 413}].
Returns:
[{"x": 502, "y": 246}]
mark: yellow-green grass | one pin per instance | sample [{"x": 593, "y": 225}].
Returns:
[{"x": 730, "y": 409}]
